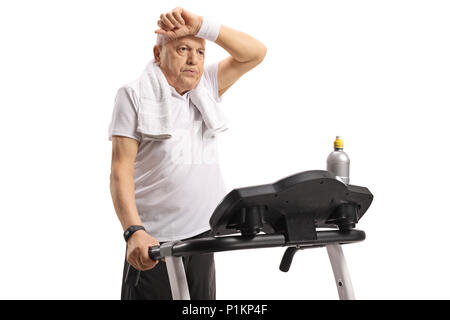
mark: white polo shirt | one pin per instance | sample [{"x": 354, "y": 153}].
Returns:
[{"x": 178, "y": 181}]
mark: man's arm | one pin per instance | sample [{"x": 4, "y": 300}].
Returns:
[
  {"x": 122, "y": 193},
  {"x": 245, "y": 53},
  {"x": 121, "y": 180}
]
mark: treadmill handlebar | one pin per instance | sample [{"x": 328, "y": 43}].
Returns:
[
  {"x": 228, "y": 243},
  {"x": 155, "y": 253}
]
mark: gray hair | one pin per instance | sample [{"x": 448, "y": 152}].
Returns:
[{"x": 161, "y": 40}]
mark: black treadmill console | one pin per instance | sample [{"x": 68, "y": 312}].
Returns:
[{"x": 294, "y": 206}]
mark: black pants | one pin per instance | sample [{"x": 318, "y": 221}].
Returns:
[{"x": 154, "y": 283}]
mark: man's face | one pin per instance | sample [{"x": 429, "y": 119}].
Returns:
[{"x": 182, "y": 61}]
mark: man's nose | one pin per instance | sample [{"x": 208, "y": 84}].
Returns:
[{"x": 193, "y": 58}]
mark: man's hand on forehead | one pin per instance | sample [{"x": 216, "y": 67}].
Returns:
[{"x": 178, "y": 23}]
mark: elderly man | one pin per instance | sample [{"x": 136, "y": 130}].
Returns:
[{"x": 157, "y": 197}]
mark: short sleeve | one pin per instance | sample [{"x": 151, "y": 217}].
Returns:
[
  {"x": 211, "y": 81},
  {"x": 124, "y": 118}
]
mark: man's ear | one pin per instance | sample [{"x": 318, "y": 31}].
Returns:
[{"x": 157, "y": 54}]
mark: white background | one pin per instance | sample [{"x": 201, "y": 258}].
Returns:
[{"x": 375, "y": 72}]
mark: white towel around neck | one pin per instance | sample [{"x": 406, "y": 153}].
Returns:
[{"x": 154, "y": 114}]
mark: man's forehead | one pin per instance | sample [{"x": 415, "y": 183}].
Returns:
[{"x": 191, "y": 41}]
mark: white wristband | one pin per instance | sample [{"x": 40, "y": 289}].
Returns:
[{"x": 209, "y": 30}]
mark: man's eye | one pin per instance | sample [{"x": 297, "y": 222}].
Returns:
[
  {"x": 183, "y": 49},
  {"x": 202, "y": 52}
]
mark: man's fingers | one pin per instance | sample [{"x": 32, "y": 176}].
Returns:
[
  {"x": 141, "y": 266},
  {"x": 135, "y": 264},
  {"x": 171, "y": 35},
  {"x": 168, "y": 34},
  {"x": 147, "y": 263},
  {"x": 167, "y": 22},
  {"x": 173, "y": 20},
  {"x": 163, "y": 26},
  {"x": 160, "y": 31},
  {"x": 177, "y": 15}
]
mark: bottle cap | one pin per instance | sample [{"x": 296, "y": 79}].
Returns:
[{"x": 339, "y": 143}]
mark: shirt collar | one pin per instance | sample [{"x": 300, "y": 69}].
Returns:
[{"x": 179, "y": 96}]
